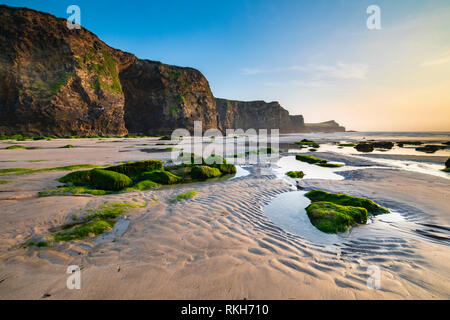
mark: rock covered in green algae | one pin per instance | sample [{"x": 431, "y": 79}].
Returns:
[
  {"x": 295, "y": 174},
  {"x": 137, "y": 167},
  {"x": 77, "y": 178},
  {"x": 310, "y": 159},
  {"x": 205, "y": 172},
  {"x": 346, "y": 200},
  {"x": 161, "y": 177},
  {"x": 332, "y": 218},
  {"x": 109, "y": 180},
  {"x": 225, "y": 168}
]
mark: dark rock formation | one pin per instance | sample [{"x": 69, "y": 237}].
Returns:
[
  {"x": 364, "y": 147},
  {"x": 160, "y": 98},
  {"x": 257, "y": 115},
  {"x": 383, "y": 144},
  {"x": 57, "y": 81},
  {"x": 430, "y": 148},
  {"x": 327, "y": 126}
]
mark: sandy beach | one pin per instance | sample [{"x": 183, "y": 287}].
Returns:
[{"x": 221, "y": 244}]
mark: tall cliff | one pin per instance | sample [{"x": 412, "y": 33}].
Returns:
[
  {"x": 258, "y": 115},
  {"x": 160, "y": 98},
  {"x": 67, "y": 82},
  {"x": 57, "y": 81}
]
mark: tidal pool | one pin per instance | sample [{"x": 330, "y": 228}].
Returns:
[{"x": 289, "y": 163}]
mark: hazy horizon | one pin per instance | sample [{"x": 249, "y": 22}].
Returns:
[{"x": 317, "y": 59}]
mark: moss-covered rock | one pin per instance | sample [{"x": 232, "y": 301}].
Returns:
[
  {"x": 215, "y": 159},
  {"x": 333, "y": 218},
  {"x": 295, "y": 174},
  {"x": 346, "y": 200},
  {"x": 226, "y": 168},
  {"x": 77, "y": 178},
  {"x": 83, "y": 231},
  {"x": 430, "y": 148},
  {"x": 135, "y": 168},
  {"x": 330, "y": 165},
  {"x": 144, "y": 185},
  {"x": 73, "y": 190},
  {"x": 160, "y": 176},
  {"x": 190, "y": 158},
  {"x": 205, "y": 172},
  {"x": 310, "y": 159},
  {"x": 109, "y": 180},
  {"x": 16, "y": 146}
]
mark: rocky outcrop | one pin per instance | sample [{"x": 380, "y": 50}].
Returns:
[
  {"x": 257, "y": 115},
  {"x": 160, "y": 98},
  {"x": 57, "y": 81},
  {"x": 327, "y": 126}
]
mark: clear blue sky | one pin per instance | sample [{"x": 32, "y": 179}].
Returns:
[{"x": 316, "y": 57}]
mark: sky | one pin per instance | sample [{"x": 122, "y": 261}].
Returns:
[{"x": 317, "y": 58}]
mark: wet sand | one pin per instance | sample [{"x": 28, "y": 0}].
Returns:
[{"x": 219, "y": 245}]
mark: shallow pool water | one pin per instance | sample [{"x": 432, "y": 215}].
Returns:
[
  {"x": 287, "y": 210},
  {"x": 289, "y": 163},
  {"x": 240, "y": 172}
]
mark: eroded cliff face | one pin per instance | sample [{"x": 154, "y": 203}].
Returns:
[
  {"x": 257, "y": 115},
  {"x": 57, "y": 81},
  {"x": 160, "y": 98}
]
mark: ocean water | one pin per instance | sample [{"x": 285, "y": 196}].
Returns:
[{"x": 373, "y": 135}]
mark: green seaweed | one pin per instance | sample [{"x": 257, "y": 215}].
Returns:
[
  {"x": 346, "y": 200},
  {"x": 132, "y": 169},
  {"x": 332, "y": 218},
  {"x": 310, "y": 159},
  {"x": 143, "y": 185},
  {"x": 16, "y": 146},
  {"x": 97, "y": 222},
  {"x": 109, "y": 180},
  {"x": 15, "y": 171},
  {"x": 160, "y": 176},
  {"x": 72, "y": 190},
  {"x": 295, "y": 174},
  {"x": 205, "y": 172},
  {"x": 330, "y": 165},
  {"x": 184, "y": 196}
]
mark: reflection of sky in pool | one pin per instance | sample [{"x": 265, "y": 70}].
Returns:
[
  {"x": 240, "y": 172},
  {"x": 287, "y": 210}
]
